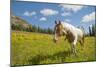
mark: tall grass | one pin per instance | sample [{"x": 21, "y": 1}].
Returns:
[{"x": 36, "y": 48}]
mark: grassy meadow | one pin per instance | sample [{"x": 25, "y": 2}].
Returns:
[{"x": 29, "y": 48}]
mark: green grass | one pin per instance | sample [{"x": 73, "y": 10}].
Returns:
[{"x": 37, "y": 48}]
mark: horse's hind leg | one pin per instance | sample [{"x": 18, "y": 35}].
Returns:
[
  {"x": 82, "y": 41},
  {"x": 65, "y": 37}
]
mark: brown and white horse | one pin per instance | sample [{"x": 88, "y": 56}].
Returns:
[{"x": 72, "y": 33}]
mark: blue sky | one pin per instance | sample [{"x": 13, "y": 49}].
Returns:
[{"x": 44, "y": 14}]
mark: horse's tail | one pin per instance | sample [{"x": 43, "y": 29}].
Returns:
[{"x": 83, "y": 30}]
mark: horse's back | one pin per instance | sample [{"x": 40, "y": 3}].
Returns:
[{"x": 73, "y": 29}]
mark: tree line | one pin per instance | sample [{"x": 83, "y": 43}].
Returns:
[
  {"x": 31, "y": 28},
  {"x": 92, "y": 30}
]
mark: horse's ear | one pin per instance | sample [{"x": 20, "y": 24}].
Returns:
[
  {"x": 59, "y": 22},
  {"x": 55, "y": 22}
]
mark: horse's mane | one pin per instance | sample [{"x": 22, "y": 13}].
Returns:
[{"x": 70, "y": 26}]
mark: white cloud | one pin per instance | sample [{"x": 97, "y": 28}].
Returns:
[
  {"x": 67, "y": 20},
  {"x": 27, "y": 13},
  {"x": 89, "y": 17},
  {"x": 66, "y": 14},
  {"x": 48, "y": 12},
  {"x": 43, "y": 19},
  {"x": 73, "y": 8}
]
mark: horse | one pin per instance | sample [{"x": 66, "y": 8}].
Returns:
[{"x": 72, "y": 33}]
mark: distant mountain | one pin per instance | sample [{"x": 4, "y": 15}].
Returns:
[
  {"x": 19, "y": 21},
  {"x": 19, "y": 24}
]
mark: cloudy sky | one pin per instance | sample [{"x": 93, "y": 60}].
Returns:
[{"x": 44, "y": 14}]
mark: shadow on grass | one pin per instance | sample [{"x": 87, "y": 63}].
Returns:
[{"x": 58, "y": 56}]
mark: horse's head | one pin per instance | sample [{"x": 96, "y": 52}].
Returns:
[{"x": 57, "y": 30}]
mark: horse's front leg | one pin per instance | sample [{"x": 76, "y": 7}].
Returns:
[{"x": 73, "y": 45}]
